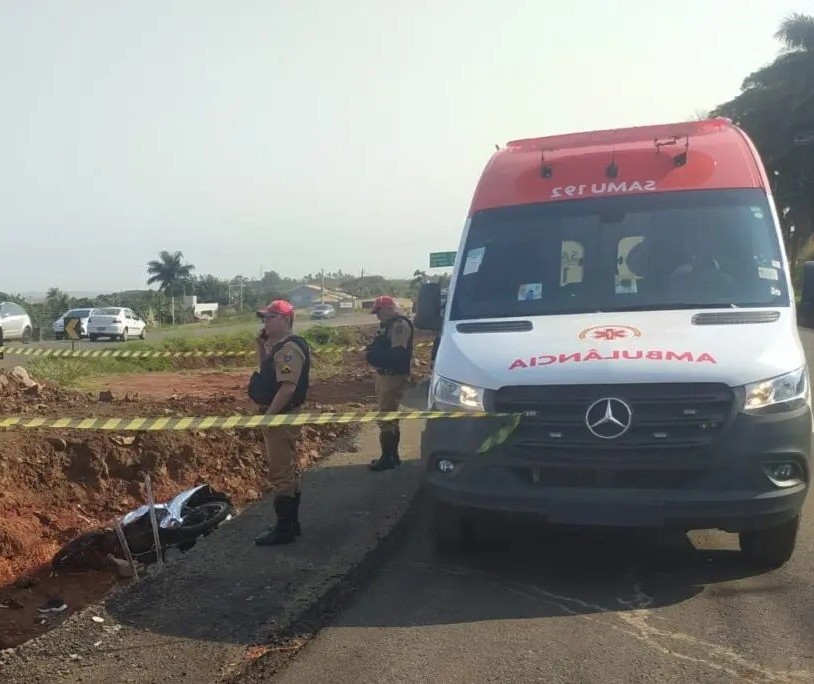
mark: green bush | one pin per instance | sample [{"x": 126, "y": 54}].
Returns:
[{"x": 322, "y": 335}]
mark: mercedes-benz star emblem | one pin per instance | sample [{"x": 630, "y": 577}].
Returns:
[{"x": 608, "y": 418}]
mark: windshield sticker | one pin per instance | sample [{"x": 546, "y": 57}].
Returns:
[
  {"x": 775, "y": 291},
  {"x": 603, "y": 188},
  {"x": 767, "y": 273},
  {"x": 474, "y": 258},
  {"x": 776, "y": 263},
  {"x": 615, "y": 355},
  {"x": 604, "y": 333},
  {"x": 529, "y": 292},
  {"x": 626, "y": 285},
  {"x": 757, "y": 212}
]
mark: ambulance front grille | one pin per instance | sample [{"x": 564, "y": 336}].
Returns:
[{"x": 664, "y": 416}]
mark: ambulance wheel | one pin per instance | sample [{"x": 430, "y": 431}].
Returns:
[{"x": 771, "y": 547}]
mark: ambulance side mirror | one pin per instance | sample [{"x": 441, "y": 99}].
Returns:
[
  {"x": 805, "y": 310},
  {"x": 428, "y": 307}
]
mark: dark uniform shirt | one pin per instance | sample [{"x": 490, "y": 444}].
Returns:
[
  {"x": 288, "y": 361},
  {"x": 391, "y": 351}
]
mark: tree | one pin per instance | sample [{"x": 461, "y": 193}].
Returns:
[
  {"x": 169, "y": 270},
  {"x": 776, "y": 108},
  {"x": 419, "y": 278},
  {"x": 373, "y": 286},
  {"x": 57, "y": 301},
  {"x": 212, "y": 289}
]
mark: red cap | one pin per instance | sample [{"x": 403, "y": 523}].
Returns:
[
  {"x": 381, "y": 302},
  {"x": 278, "y": 306}
]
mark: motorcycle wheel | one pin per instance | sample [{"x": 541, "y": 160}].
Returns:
[{"x": 199, "y": 521}]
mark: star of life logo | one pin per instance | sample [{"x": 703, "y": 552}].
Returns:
[{"x": 609, "y": 333}]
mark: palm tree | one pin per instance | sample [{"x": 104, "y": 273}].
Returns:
[
  {"x": 776, "y": 108},
  {"x": 778, "y": 99},
  {"x": 794, "y": 66},
  {"x": 169, "y": 270}
]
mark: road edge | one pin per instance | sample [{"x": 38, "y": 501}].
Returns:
[
  {"x": 69, "y": 651},
  {"x": 284, "y": 644}
]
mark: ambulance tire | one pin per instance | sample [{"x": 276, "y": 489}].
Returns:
[{"x": 772, "y": 547}]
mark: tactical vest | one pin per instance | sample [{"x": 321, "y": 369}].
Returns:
[
  {"x": 382, "y": 341},
  {"x": 263, "y": 385}
]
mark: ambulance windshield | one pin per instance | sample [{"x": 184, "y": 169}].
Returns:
[{"x": 670, "y": 250}]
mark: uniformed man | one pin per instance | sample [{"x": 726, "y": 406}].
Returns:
[
  {"x": 391, "y": 354},
  {"x": 280, "y": 387}
]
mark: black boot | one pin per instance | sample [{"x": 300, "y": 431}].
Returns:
[
  {"x": 386, "y": 460},
  {"x": 284, "y": 531}
]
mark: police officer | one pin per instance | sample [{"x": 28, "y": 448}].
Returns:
[
  {"x": 280, "y": 387},
  {"x": 390, "y": 353}
]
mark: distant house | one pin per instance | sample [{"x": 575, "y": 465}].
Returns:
[
  {"x": 201, "y": 310},
  {"x": 305, "y": 296}
]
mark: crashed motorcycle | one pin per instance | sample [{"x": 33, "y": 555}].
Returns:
[{"x": 192, "y": 514}]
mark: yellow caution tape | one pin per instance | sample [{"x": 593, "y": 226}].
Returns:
[
  {"x": 500, "y": 436},
  {"x": 231, "y": 422},
  {"x": 158, "y": 354},
  {"x": 117, "y": 353},
  {"x": 255, "y": 421}
]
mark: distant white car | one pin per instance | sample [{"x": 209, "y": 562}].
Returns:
[
  {"x": 15, "y": 323},
  {"x": 116, "y": 322},
  {"x": 322, "y": 311},
  {"x": 82, "y": 314}
]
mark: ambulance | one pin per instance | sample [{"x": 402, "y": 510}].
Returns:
[{"x": 621, "y": 301}]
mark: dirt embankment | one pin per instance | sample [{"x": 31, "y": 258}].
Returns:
[{"x": 55, "y": 485}]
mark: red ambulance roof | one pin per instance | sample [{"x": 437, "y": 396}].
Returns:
[{"x": 575, "y": 166}]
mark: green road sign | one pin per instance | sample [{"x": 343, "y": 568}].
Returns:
[{"x": 442, "y": 259}]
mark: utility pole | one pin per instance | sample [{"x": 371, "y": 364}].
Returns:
[
  {"x": 239, "y": 291},
  {"x": 323, "y": 285}
]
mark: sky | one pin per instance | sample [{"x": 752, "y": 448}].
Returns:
[{"x": 306, "y": 134}]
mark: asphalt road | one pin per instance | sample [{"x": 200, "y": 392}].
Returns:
[{"x": 578, "y": 607}]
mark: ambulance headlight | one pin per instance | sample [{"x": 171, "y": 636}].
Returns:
[
  {"x": 785, "y": 392},
  {"x": 448, "y": 395}
]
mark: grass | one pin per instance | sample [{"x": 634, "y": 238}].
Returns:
[
  {"x": 226, "y": 325},
  {"x": 80, "y": 373},
  {"x": 316, "y": 335},
  {"x": 84, "y": 373}
]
